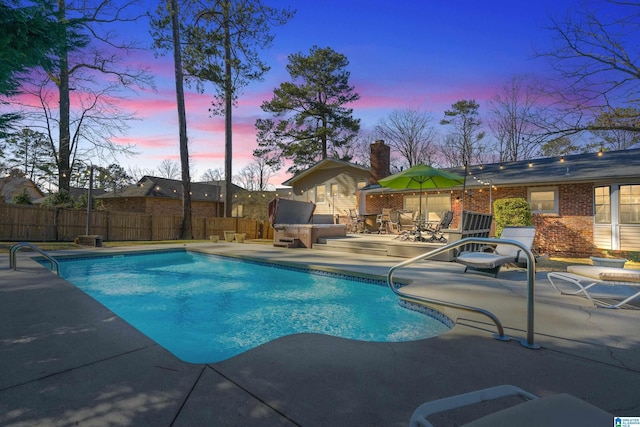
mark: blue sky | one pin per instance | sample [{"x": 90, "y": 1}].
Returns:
[{"x": 422, "y": 55}]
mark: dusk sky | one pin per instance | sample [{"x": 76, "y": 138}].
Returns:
[{"x": 422, "y": 55}]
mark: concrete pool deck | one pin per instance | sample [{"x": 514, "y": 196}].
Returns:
[{"x": 68, "y": 360}]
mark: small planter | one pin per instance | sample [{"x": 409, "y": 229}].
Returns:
[
  {"x": 229, "y": 235},
  {"x": 214, "y": 239},
  {"x": 240, "y": 237}
]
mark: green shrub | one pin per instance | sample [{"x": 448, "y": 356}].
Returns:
[
  {"x": 82, "y": 202},
  {"x": 60, "y": 199},
  {"x": 22, "y": 198},
  {"x": 511, "y": 212}
]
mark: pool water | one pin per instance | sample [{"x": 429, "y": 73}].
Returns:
[{"x": 206, "y": 308}]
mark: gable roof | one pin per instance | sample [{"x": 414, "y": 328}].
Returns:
[
  {"x": 152, "y": 186},
  {"x": 323, "y": 164},
  {"x": 221, "y": 183},
  {"x": 588, "y": 167},
  {"x": 13, "y": 185}
]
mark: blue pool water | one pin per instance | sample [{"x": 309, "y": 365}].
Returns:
[{"x": 206, "y": 308}]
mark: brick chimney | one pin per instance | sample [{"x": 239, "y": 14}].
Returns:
[{"x": 380, "y": 161}]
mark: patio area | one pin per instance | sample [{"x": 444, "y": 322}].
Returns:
[{"x": 68, "y": 360}]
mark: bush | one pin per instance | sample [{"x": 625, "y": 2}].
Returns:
[
  {"x": 511, "y": 212},
  {"x": 60, "y": 199},
  {"x": 22, "y": 198},
  {"x": 83, "y": 200}
]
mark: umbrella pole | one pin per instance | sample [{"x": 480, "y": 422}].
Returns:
[
  {"x": 420, "y": 203},
  {"x": 464, "y": 189}
]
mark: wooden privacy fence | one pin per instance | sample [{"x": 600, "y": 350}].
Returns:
[{"x": 29, "y": 223}]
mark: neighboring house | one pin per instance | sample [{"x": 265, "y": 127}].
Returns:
[
  {"x": 252, "y": 204},
  {"x": 156, "y": 195},
  {"x": 246, "y": 203},
  {"x": 12, "y": 185},
  {"x": 583, "y": 204}
]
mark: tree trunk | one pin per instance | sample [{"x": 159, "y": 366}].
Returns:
[
  {"x": 228, "y": 103},
  {"x": 187, "y": 227},
  {"x": 64, "y": 151}
]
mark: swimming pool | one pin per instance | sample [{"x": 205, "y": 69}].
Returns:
[{"x": 207, "y": 308}]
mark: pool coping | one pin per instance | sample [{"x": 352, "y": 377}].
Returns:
[{"x": 68, "y": 359}]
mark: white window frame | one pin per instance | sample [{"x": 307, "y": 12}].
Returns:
[
  {"x": 541, "y": 190},
  {"x": 632, "y": 212},
  {"x": 608, "y": 206}
]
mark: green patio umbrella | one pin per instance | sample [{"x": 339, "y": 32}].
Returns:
[{"x": 421, "y": 177}]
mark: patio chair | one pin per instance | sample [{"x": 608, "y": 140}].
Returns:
[
  {"x": 434, "y": 230},
  {"x": 355, "y": 221},
  {"x": 491, "y": 261},
  {"x": 384, "y": 220},
  {"x": 404, "y": 225},
  {"x": 394, "y": 222},
  {"x": 559, "y": 410},
  {"x": 585, "y": 277}
]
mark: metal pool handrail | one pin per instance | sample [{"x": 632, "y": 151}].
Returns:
[
  {"x": 529, "y": 342},
  {"x": 55, "y": 266}
]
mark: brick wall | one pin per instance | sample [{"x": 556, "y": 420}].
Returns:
[
  {"x": 159, "y": 206},
  {"x": 118, "y": 204},
  {"x": 568, "y": 233}
]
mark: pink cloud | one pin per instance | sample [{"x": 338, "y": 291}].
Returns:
[
  {"x": 209, "y": 156},
  {"x": 147, "y": 141},
  {"x": 423, "y": 96}
]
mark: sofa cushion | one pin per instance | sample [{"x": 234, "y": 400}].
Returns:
[{"x": 606, "y": 273}]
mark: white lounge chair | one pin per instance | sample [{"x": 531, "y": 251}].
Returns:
[
  {"x": 491, "y": 262},
  {"x": 560, "y": 410},
  {"x": 585, "y": 277}
]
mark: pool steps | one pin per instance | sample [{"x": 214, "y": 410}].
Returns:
[{"x": 529, "y": 341}]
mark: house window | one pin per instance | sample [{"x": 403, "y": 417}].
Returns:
[
  {"x": 310, "y": 195},
  {"x": 333, "y": 190},
  {"x": 436, "y": 205},
  {"x": 411, "y": 203},
  {"x": 543, "y": 200},
  {"x": 629, "y": 204},
  {"x": 237, "y": 211},
  {"x": 432, "y": 205},
  {"x": 321, "y": 193},
  {"x": 602, "y": 201}
]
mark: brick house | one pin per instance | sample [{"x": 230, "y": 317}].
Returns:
[
  {"x": 585, "y": 204},
  {"x": 154, "y": 195}
]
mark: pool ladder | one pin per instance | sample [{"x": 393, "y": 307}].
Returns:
[
  {"x": 529, "y": 342},
  {"x": 55, "y": 266}
]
